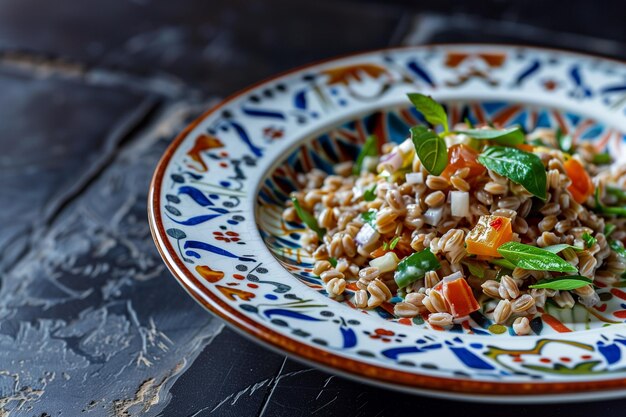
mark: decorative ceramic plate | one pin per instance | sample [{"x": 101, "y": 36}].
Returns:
[{"x": 217, "y": 196}]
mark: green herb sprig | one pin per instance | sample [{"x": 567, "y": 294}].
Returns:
[
  {"x": 563, "y": 283},
  {"x": 431, "y": 149},
  {"x": 523, "y": 168},
  {"x": 533, "y": 258}
]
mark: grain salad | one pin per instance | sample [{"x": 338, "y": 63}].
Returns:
[{"x": 462, "y": 218}]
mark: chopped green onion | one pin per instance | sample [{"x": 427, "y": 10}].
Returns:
[
  {"x": 394, "y": 242},
  {"x": 601, "y": 158},
  {"x": 370, "y": 194},
  {"x": 308, "y": 219},
  {"x": 333, "y": 262},
  {"x": 369, "y": 149},
  {"x": 589, "y": 240},
  {"x": 609, "y": 228}
]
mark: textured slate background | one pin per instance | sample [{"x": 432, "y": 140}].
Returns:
[{"x": 91, "y": 323}]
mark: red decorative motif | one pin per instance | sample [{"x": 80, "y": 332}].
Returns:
[{"x": 227, "y": 236}]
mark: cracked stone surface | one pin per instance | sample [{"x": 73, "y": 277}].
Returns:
[
  {"x": 91, "y": 322},
  {"x": 91, "y": 313},
  {"x": 194, "y": 40},
  {"x": 54, "y": 133}
]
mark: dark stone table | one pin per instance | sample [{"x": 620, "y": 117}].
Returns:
[{"x": 91, "y": 323}]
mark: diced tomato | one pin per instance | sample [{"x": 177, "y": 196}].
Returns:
[
  {"x": 489, "y": 233},
  {"x": 460, "y": 297},
  {"x": 581, "y": 187},
  {"x": 461, "y": 156}
]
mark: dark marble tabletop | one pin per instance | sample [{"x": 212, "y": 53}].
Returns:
[{"x": 91, "y": 323}]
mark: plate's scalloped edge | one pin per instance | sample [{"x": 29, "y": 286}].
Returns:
[{"x": 410, "y": 382}]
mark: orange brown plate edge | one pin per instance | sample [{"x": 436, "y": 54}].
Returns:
[{"x": 373, "y": 373}]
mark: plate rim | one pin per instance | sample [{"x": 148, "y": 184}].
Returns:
[{"x": 454, "y": 388}]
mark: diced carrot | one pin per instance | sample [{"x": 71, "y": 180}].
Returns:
[
  {"x": 379, "y": 252},
  {"x": 525, "y": 147},
  {"x": 489, "y": 233},
  {"x": 460, "y": 297},
  {"x": 462, "y": 156},
  {"x": 581, "y": 187}
]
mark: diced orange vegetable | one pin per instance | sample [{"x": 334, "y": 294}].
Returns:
[
  {"x": 581, "y": 187},
  {"x": 525, "y": 147},
  {"x": 379, "y": 252},
  {"x": 462, "y": 156},
  {"x": 460, "y": 297},
  {"x": 489, "y": 233}
]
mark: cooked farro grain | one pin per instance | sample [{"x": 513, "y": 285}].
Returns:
[
  {"x": 491, "y": 288},
  {"x": 404, "y": 309},
  {"x": 335, "y": 286},
  {"x": 523, "y": 303},
  {"x": 360, "y": 298},
  {"x": 414, "y": 213},
  {"x": 508, "y": 288},
  {"x": 521, "y": 326},
  {"x": 502, "y": 311},
  {"x": 415, "y": 298},
  {"x": 440, "y": 319}
]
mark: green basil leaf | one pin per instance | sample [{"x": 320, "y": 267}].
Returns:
[
  {"x": 475, "y": 268},
  {"x": 589, "y": 240},
  {"x": 308, "y": 219},
  {"x": 533, "y": 258},
  {"x": 370, "y": 194},
  {"x": 333, "y": 262},
  {"x": 394, "y": 242},
  {"x": 430, "y": 148},
  {"x": 560, "y": 247},
  {"x": 368, "y": 149},
  {"x": 601, "y": 208},
  {"x": 503, "y": 263},
  {"x": 521, "y": 167},
  {"x": 433, "y": 112},
  {"x": 609, "y": 228},
  {"x": 508, "y": 136},
  {"x": 369, "y": 217},
  {"x": 602, "y": 159},
  {"x": 563, "y": 283},
  {"x": 565, "y": 141},
  {"x": 618, "y": 247},
  {"x": 414, "y": 267}
]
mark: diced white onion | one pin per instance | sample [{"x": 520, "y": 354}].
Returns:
[
  {"x": 415, "y": 178},
  {"x": 433, "y": 216},
  {"x": 367, "y": 235},
  {"x": 459, "y": 203},
  {"x": 391, "y": 162},
  {"x": 386, "y": 263},
  {"x": 406, "y": 147},
  {"x": 369, "y": 163},
  {"x": 454, "y": 276},
  {"x": 457, "y": 139}
]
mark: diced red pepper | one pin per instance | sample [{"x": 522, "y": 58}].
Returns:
[{"x": 460, "y": 297}]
